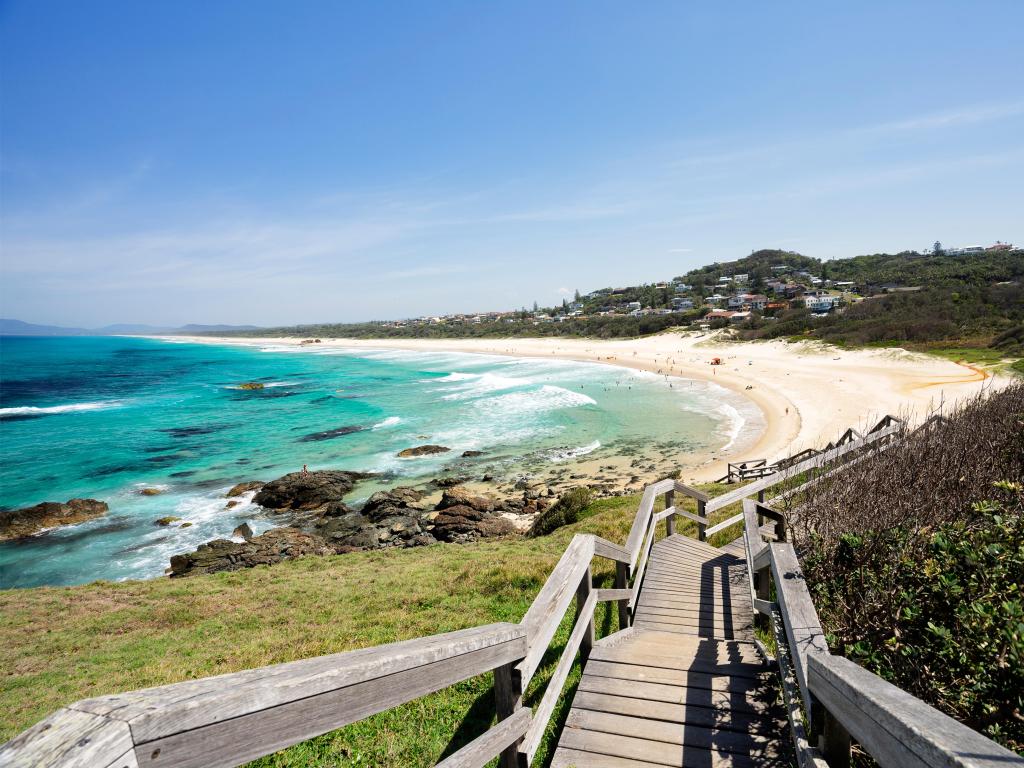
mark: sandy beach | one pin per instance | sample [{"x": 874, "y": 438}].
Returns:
[{"x": 809, "y": 393}]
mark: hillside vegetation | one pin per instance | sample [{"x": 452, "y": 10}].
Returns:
[
  {"x": 931, "y": 300},
  {"x": 916, "y": 562}
]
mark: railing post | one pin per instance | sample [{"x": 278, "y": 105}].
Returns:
[
  {"x": 508, "y": 697},
  {"x": 670, "y": 522},
  {"x": 622, "y": 582},
  {"x": 702, "y": 528},
  {"x": 762, "y": 590},
  {"x": 835, "y": 741},
  {"x": 760, "y": 500},
  {"x": 582, "y": 593}
]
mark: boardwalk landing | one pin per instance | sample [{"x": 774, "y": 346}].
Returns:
[{"x": 685, "y": 685}]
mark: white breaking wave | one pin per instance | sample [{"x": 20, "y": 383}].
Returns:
[
  {"x": 573, "y": 453},
  {"x": 390, "y": 421},
  {"x": 31, "y": 410},
  {"x": 734, "y": 420},
  {"x": 547, "y": 398},
  {"x": 476, "y": 385}
]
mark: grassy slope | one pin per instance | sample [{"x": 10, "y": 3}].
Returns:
[{"x": 58, "y": 645}]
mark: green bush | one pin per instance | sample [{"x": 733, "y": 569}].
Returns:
[
  {"x": 948, "y": 624},
  {"x": 565, "y": 511}
]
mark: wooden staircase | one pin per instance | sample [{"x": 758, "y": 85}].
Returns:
[{"x": 686, "y": 685}]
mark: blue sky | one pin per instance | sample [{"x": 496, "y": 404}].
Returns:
[{"x": 272, "y": 162}]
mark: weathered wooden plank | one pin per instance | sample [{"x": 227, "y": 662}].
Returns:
[
  {"x": 727, "y": 523},
  {"x": 751, "y": 702},
  {"x": 722, "y": 634},
  {"x": 729, "y": 654},
  {"x": 71, "y": 739},
  {"x": 168, "y": 709},
  {"x": 693, "y": 493},
  {"x": 711, "y": 594},
  {"x": 235, "y": 741},
  {"x": 640, "y": 524},
  {"x": 691, "y": 735},
  {"x": 896, "y": 728},
  {"x": 606, "y": 549},
  {"x": 644, "y": 638},
  {"x": 711, "y": 662},
  {"x": 639, "y": 578},
  {"x": 545, "y": 613},
  {"x": 657, "y": 752},
  {"x": 554, "y": 687},
  {"x": 689, "y": 678},
  {"x": 696, "y": 619},
  {"x": 676, "y": 713},
  {"x": 705, "y": 609},
  {"x": 803, "y": 629},
  {"x": 482, "y": 749},
  {"x": 575, "y": 758},
  {"x": 609, "y": 595}
]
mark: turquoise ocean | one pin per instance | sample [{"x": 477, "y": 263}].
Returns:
[{"x": 106, "y": 417}]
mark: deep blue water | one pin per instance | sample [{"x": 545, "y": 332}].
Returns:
[{"x": 105, "y": 417}]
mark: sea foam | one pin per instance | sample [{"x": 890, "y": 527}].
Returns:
[{"x": 31, "y": 410}]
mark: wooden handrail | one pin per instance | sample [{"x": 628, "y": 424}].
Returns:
[
  {"x": 841, "y": 699},
  {"x": 896, "y": 728},
  {"x": 230, "y": 719}
]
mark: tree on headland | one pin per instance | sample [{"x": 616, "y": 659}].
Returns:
[
  {"x": 937, "y": 248},
  {"x": 576, "y": 297},
  {"x": 535, "y": 306}
]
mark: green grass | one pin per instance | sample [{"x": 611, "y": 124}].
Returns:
[{"x": 58, "y": 645}]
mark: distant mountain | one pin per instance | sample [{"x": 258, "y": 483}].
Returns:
[
  {"x": 9, "y": 327},
  {"x": 18, "y": 328}
]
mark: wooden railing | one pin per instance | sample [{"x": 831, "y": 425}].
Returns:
[
  {"x": 230, "y": 719},
  {"x": 830, "y": 700}
]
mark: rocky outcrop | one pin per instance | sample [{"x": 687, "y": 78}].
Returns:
[
  {"x": 251, "y": 385},
  {"x": 165, "y": 521},
  {"x": 307, "y": 491},
  {"x": 271, "y": 547},
  {"x": 150, "y": 492},
  {"x": 397, "y": 501},
  {"x": 50, "y": 514},
  {"x": 460, "y": 497},
  {"x": 250, "y": 485},
  {"x": 422, "y": 450},
  {"x": 471, "y": 454},
  {"x": 461, "y": 523}
]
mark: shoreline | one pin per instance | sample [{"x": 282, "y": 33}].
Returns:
[{"x": 808, "y": 393}]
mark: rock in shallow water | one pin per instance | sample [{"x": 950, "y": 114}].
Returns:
[
  {"x": 307, "y": 491},
  {"x": 50, "y": 514},
  {"x": 422, "y": 450}
]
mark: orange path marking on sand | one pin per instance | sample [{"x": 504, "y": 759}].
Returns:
[{"x": 979, "y": 374}]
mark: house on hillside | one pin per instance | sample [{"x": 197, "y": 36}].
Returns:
[
  {"x": 740, "y": 278},
  {"x": 736, "y": 302},
  {"x": 633, "y": 306},
  {"x": 739, "y": 317},
  {"x": 822, "y": 303},
  {"x": 719, "y": 314},
  {"x": 1000, "y": 246},
  {"x": 681, "y": 303}
]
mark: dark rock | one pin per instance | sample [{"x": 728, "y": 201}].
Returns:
[
  {"x": 165, "y": 521},
  {"x": 271, "y": 547},
  {"x": 232, "y": 504},
  {"x": 50, "y": 514},
  {"x": 396, "y": 501},
  {"x": 250, "y": 485},
  {"x": 422, "y": 450},
  {"x": 330, "y": 434},
  {"x": 460, "y": 497},
  {"x": 150, "y": 492},
  {"x": 244, "y": 531},
  {"x": 471, "y": 454},
  {"x": 251, "y": 385},
  {"x": 448, "y": 482},
  {"x": 306, "y": 491},
  {"x": 461, "y": 523}
]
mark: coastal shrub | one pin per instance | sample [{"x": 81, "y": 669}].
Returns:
[
  {"x": 915, "y": 558},
  {"x": 567, "y": 510}
]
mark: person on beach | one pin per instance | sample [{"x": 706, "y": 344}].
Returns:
[{"x": 305, "y": 470}]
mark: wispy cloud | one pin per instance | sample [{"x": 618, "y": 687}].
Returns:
[{"x": 970, "y": 115}]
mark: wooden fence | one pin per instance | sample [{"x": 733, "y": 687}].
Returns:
[
  {"x": 231, "y": 719},
  {"x": 830, "y": 699}
]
